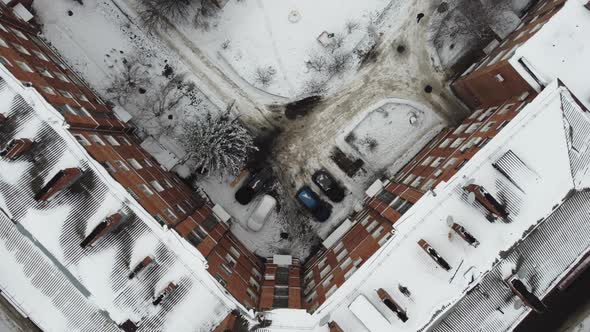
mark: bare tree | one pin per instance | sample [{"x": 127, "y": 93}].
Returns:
[
  {"x": 317, "y": 62},
  {"x": 217, "y": 144},
  {"x": 167, "y": 96},
  {"x": 337, "y": 42},
  {"x": 265, "y": 75},
  {"x": 207, "y": 10},
  {"x": 133, "y": 76},
  {"x": 152, "y": 18},
  {"x": 474, "y": 18},
  {"x": 339, "y": 63},
  {"x": 175, "y": 10},
  {"x": 351, "y": 26},
  {"x": 315, "y": 87}
]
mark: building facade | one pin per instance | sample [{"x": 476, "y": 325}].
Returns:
[{"x": 498, "y": 76}]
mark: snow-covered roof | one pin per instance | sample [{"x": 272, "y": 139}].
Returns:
[
  {"x": 64, "y": 287},
  {"x": 531, "y": 167},
  {"x": 558, "y": 50}
]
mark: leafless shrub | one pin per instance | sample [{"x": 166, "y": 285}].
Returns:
[
  {"x": 265, "y": 75},
  {"x": 133, "y": 76},
  {"x": 205, "y": 13},
  {"x": 336, "y": 42},
  {"x": 317, "y": 62},
  {"x": 314, "y": 87},
  {"x": 351, "y": 26},
  {"x": 369, "y": 142},
  {"x": 225, "y": 45},
  {"x": 152, "y": 18},
  {"x": 339, "y": 63}
]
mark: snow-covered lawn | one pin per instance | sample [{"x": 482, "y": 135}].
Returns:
[
  {"x": 96, "y": 40},
  {"x": 382, "y": 133},
  {"x": 282, "y": 34}
]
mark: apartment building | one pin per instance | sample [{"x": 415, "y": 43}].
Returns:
[
  {"x": 342, "y": 253},
  {"x": 111, "y": 142},
  {"x": 453, "y": 147},
  {"x": 281, "y": 287},
  {"x": 546, "y": 46}
]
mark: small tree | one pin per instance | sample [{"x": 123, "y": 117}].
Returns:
[
  {"x": 152, "y": 18},
  {"x": 351, "y": 26},
  {"x": 265, "y": 75},
  {"x": 133, "y": 76},
  {"x": 336, "y": 42},
  {"x": 339, "y": 63},
  {"x": 174, "y": 10},
  {"x": 314, "y": 86},
  {"x": 217, "y": 144},
  {"x": 317, "y": 62}
]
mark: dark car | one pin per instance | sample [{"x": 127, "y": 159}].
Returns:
[
  {"x": 256, "y": 182},
  {"x": 313, "y": 203},
  {"x": 326, "y": 182}
]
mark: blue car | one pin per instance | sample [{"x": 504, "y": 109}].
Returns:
[{"x": 313, "y": 203}]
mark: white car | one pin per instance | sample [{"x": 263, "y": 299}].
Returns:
[{"x": 261, "y": 213}]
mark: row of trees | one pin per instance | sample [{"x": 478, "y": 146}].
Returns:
[
  {"x": 158, "y": 14},
  {"x": 216, "y": 142}
]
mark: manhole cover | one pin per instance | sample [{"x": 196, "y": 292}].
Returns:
[{"x": 294, "y": 16}]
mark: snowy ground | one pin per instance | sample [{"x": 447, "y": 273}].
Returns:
[
  {"x": 386, "y": 129},
  {"x": 281, "y": 34}
]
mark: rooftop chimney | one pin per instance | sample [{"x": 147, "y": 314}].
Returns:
[
  {"x": 434, "y": 255},
  {"x": 392, "y": 305},
  {"x": 147, "y": 261},
  {"x": 16, "y": 148},
  {"x": 487, "y": 200},
  {"x": 106, "y": 226},
  {"x": 62, "y": 180},
  {"x": 164, "y": 293},
  {"x": 465, "y": 235},
  {"x": 587, "y": 5},
  {"x": 2, "y": 119},
  {"x": 529, "y": 299}
]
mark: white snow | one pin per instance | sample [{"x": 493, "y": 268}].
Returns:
[
  {"x": 382, "y": 133},
  {"x": 368, "y": 315},
  {"x": 260, "y": 34},
  {"x": 537, "y": 137}
]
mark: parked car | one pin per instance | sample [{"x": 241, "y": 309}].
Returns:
[
  {"x": 326, "y": 182},
  {"x": 253, "y": 186},
  {"x": 260, "y": 215},
  {"x": 313, "y": 203}
]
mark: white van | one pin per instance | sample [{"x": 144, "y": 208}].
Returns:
[{"x": 371, "y": 318}]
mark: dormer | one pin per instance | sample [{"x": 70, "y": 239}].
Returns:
[
  {"x": 108, "y": 225},
  {"x": 487, "y": 200},
  {"x": 61, "y": 181},
  {"x": 527, "y": 297},
  {"x": 164, "y": 293},
  {"x": 434, "y": 254},
  {"x": 142, "y": 266},
  {"x": 16, "y": 148}
]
